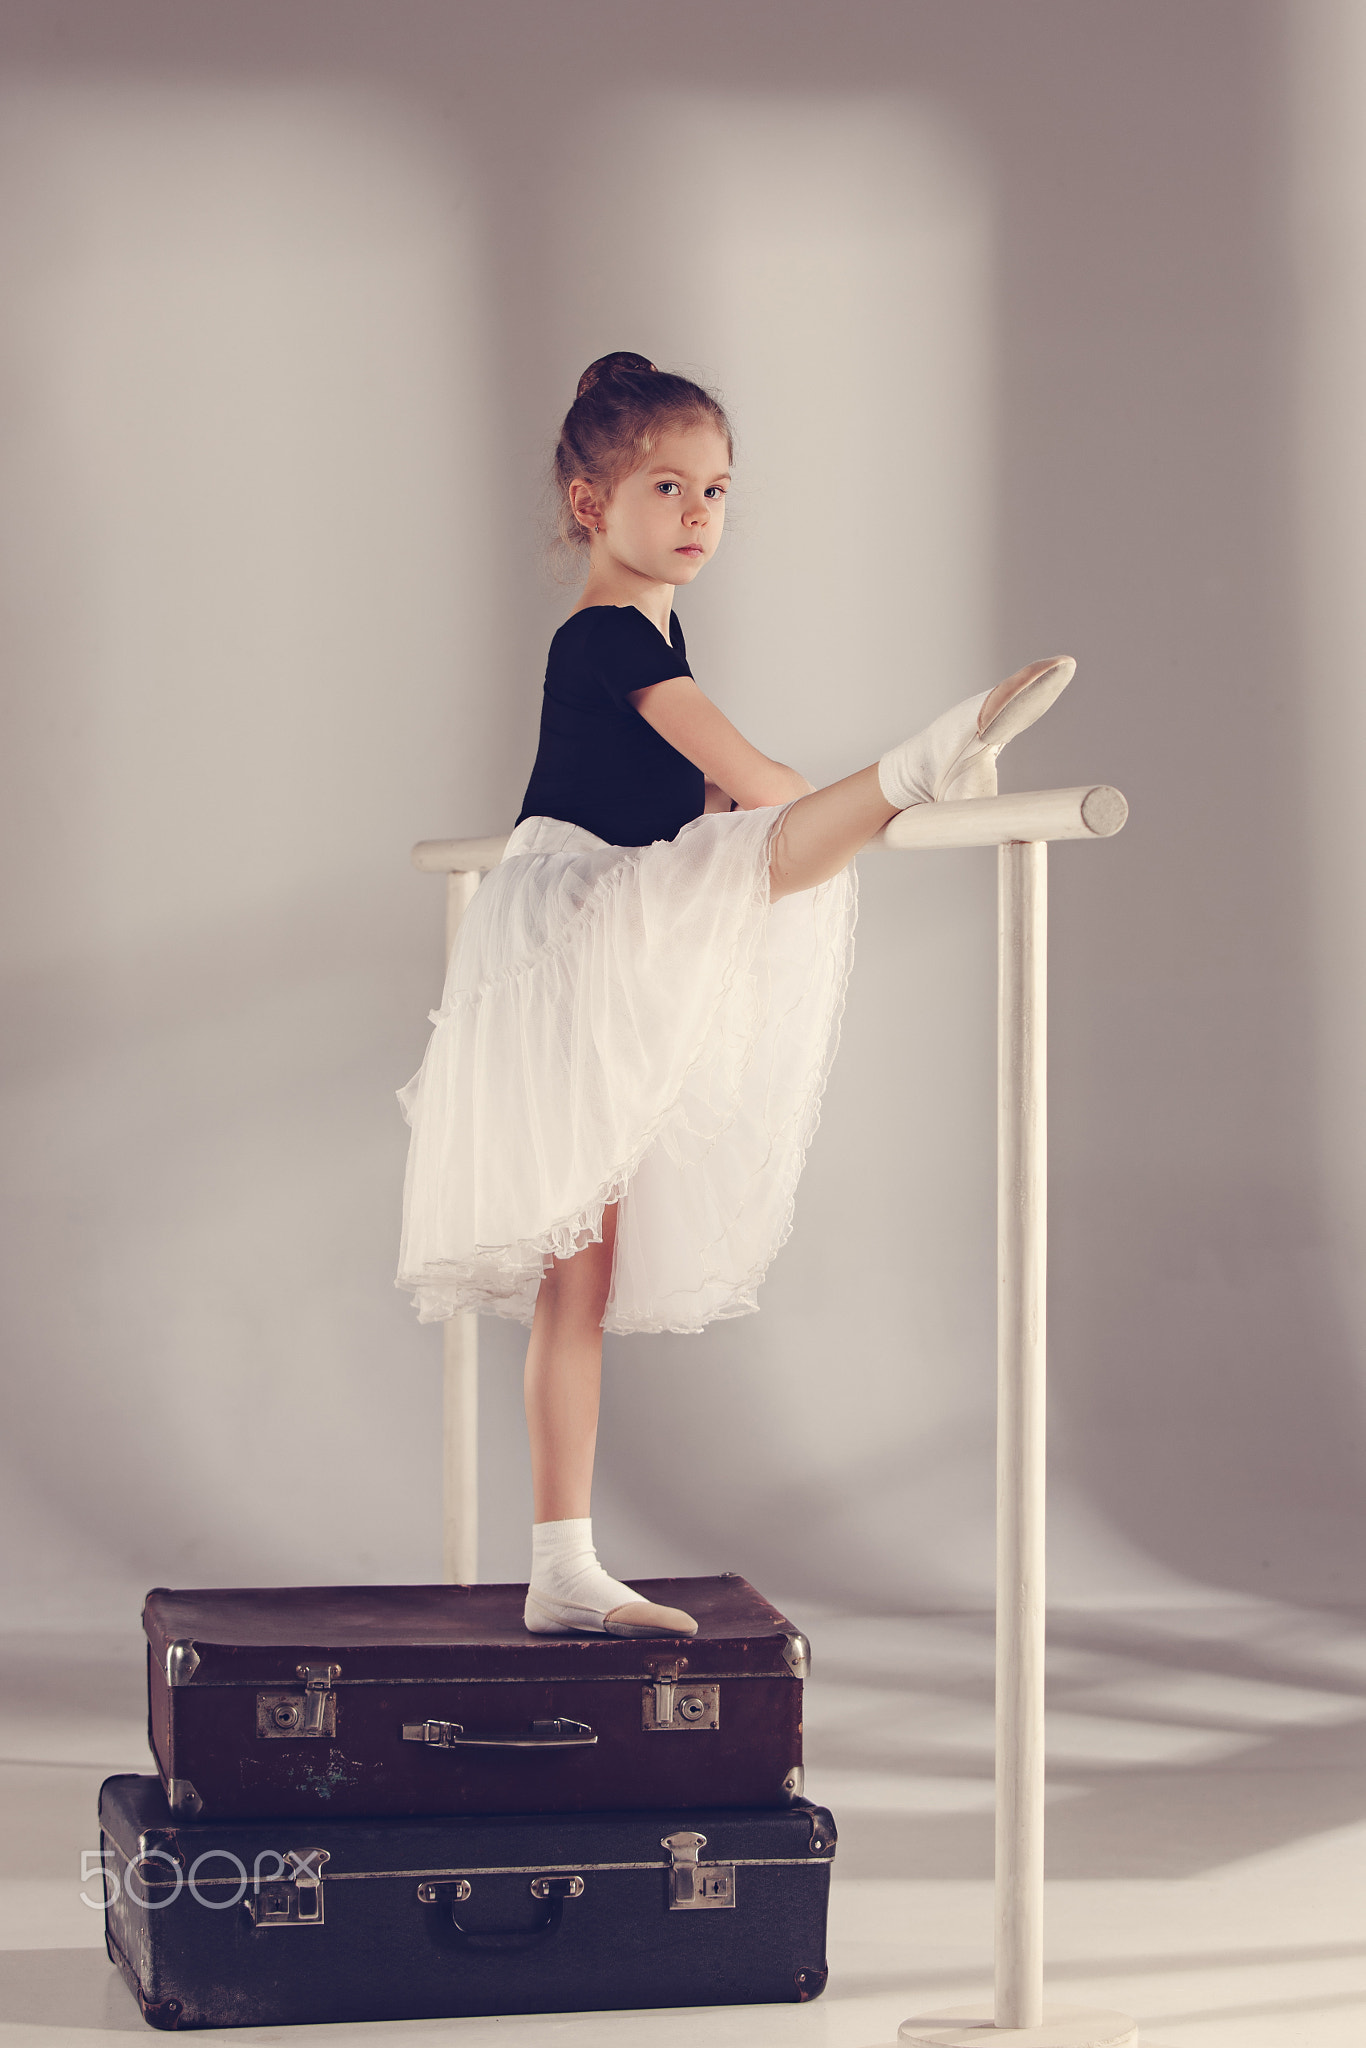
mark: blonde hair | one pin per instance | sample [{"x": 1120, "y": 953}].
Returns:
[{"x": 622, "y": 406}]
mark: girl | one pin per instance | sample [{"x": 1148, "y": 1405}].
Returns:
[{"x": 643, "y": 999}]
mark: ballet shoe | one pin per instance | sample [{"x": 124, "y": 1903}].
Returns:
[
  {"x": 546, "y": 1616},
  {"x": 646, "y": 1618},
  {"x": 955, "y": 757}
]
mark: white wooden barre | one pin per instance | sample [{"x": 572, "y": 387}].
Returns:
[
  {"x": 1021, "y": 1269},
  {"x": 1019, "y": 825},
  {"x": 459, "y": 1367},
  {"x": 1091, "y": 811},
  {"x": 1019, "y": 2015},
  {"x": 458, "y": 856}
]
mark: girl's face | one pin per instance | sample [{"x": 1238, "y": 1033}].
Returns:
[{"x": 664, "y": 520}]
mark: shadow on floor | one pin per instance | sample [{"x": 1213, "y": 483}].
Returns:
[{"x": 1284, "y": 1691}]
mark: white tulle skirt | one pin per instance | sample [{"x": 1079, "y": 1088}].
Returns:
[{"x": 629, "y": 1024}]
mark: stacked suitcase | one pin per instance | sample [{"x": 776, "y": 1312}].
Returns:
[{"x": 394, "y": 1803}]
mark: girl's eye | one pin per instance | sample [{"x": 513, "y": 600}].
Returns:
[
  {"x": 719, "y": 489},
  {"x": 668, "y": 485}
]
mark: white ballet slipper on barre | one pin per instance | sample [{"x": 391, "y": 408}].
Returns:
[{"x": 955, "y": 756}]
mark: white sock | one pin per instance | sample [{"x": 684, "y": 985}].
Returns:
[
  {"x": 565, "y": 1571},
  {"x": 912, "y": 773}
]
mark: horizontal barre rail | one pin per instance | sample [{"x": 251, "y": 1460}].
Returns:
[
  {"x": 1091, "y": 811},
  {"x": 458, "y": 856}
]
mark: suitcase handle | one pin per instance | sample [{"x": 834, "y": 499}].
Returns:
[
  {"x": 554, "y": 1890},
  {"x": 559, "y": 1734}
]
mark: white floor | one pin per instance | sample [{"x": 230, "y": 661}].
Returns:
[{"x": 1207, "y": 1849}]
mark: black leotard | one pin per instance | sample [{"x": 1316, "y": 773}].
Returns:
[{"x": 599, "y": 763}]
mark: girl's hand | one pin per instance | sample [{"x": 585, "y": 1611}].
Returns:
[{"x": 701, "y": 732}]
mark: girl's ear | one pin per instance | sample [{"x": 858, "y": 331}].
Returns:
[{"x": 583, "y": 503}]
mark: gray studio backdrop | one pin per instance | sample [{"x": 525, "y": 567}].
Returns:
[{"x": 1042, "y": 327}]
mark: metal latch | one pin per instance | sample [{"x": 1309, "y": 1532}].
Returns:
[
  {"x": 677, "y": 1703},
  {"x": 694, "y": 1886},
  {"x": 291, "y": 1901},
  {"x": 282, "y": 1715}
]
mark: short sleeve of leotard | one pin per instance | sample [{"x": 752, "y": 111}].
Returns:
[{"x": 626, "y": 652}]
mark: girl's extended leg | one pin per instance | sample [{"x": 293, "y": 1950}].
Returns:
[
  {"x": 821, "y": 833},
  {"x": 569, "y": 1589}
]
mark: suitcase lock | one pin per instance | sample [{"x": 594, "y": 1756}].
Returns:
[
  {"x": 670, "y": 1703},
  {"x": 696, "y": 1887},
  {"x": 283, "y": 1715},
  {"x": 291, "y": 1900}
]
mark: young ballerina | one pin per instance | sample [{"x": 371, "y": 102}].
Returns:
[{"x": 642, "y": 1002}]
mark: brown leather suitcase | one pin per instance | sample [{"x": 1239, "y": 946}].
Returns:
[{"x": 282, "y": 1701}]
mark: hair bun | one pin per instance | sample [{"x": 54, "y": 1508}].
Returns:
[{"x": 612, "y": 366}]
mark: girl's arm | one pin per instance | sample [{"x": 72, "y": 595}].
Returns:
[{"x": 686, "y": 717}]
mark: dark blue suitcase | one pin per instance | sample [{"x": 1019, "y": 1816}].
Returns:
[{"x": 240, "y": 1923}]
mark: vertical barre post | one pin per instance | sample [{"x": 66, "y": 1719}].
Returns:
[
  {"x": 1022, "y": 1255},
  {"x": 460, "y": 1374},
  {"x": 1020, "y": 2016}
]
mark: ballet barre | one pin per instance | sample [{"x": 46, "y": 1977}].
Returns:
[{"x": 1020, "y": 826}]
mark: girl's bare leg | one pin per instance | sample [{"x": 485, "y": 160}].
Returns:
[
  {"x": 821, "y": 833},
  {"x": 563, "y": 1379},
  {"x": 569, "y": 1589}
]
